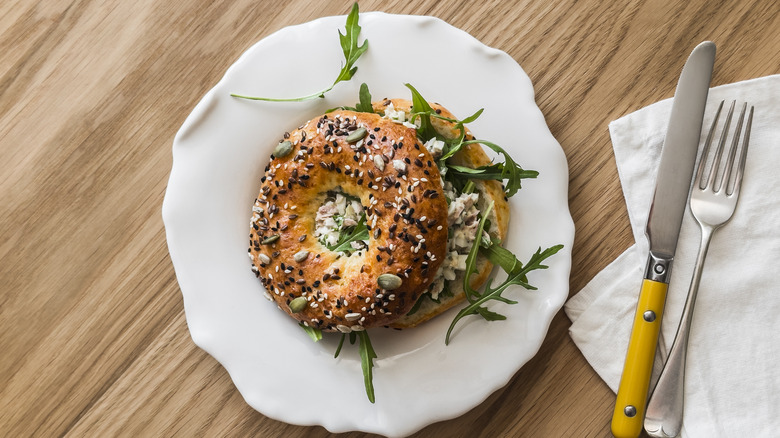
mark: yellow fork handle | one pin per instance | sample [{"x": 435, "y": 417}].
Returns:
[{"x": 635, "y": 382}]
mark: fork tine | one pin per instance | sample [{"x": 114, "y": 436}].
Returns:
[
  {"x": 703, "y": 158},
  {"x": 719, "y": 150},
  {"x": 743, "y": 153},
  {"x": 724, "y": 181}
]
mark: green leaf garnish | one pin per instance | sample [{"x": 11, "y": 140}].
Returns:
[
  {"x": 352, "y": 51},
  {"x": 471, "y": 259},
  {"x": 509, "y": 170},
  {"x": 367, "y": 356},
  {"x": 500, "y": 256},
  {"x": 422, "y": 110},
  {"x": 314, "y": 334},
  {"x": 358, "y": 232},
  {"x": 341, "y": 344},
  {"x": 516, "y": 275},
  {"x": 364, "y": 106}
]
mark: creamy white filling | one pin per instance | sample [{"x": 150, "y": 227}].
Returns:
[
  {"x": 435, "y": 147},
  {"x": 398, "y": 116},
  {"x": 463, "y": 222},
  {"x": 333, "y": 216}
]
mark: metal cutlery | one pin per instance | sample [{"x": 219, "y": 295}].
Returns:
[
  {"x": 678, "y": 158},
  {"x": 713, "y": 201}
]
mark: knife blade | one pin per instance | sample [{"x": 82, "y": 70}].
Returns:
[{"x": 673, "y": 183}]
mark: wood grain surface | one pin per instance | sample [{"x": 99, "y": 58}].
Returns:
[{"x": 93, "y": 338}]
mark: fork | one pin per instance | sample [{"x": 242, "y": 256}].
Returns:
[{"x": 713, "y": 201}]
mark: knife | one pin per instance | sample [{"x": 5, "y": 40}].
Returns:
[{"x": 673, "y": 184}]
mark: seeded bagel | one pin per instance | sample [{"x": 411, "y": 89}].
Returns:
[{"x": 381, "y": 164}]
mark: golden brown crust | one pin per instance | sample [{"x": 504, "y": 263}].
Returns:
[
  {"x": 471, "y": 155},
  {"x": 406, "y": 213}
]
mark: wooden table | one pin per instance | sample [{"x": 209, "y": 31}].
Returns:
[{"x": 94, "y": 340}]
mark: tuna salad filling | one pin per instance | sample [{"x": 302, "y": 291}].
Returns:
[
  {"x": 339, "y": 224},
  {"x": 463, "y": 222}
]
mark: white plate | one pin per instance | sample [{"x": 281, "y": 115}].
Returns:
[{"x": 218, "y": 158}]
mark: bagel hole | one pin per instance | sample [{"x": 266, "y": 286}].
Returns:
[{"x": 340, "y": 223}]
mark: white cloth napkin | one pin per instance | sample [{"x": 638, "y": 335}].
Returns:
[{"x": 732, "y": 386}]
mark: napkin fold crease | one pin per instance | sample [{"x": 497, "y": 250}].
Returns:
[{"x": 732, "y": 385}]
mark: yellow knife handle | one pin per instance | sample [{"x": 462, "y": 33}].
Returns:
[{"x": 635, "y": 382}]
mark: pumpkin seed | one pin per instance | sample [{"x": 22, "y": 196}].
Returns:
[
  {"x": 356, "y": 135},
  {"x": 389, "y": 281},
  {"x": 283, "y": 149},
  {"x": 271, "y": 239},
  {"x": 297, "y": 305}
]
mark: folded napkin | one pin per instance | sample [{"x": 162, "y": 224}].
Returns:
[{"x": 732, "y": 386}]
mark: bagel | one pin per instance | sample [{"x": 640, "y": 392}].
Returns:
[
  {"x": 471, "y": 155},
  {"x": 364, "y": 158}
]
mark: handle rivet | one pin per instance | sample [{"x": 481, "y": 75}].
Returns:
[
  {"x": 649, "y": 316},
  {"x": 659, "y": 268},
  {"x": 630, "y": 411}
]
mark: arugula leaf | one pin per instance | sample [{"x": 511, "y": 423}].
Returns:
[
  {"x": 444, "y": 293},
  {"x": 516, "y": 274},
  {"x": 516, "y": 277},
  {"x": 341, "y": 344},
  {"x": 490, "y": 315},
  {"x": 352, "y": 51},
  {"x": 314, "y": 334},
  {"x": 454, "y": 145},
  {"x": 500, "y": 256},
  {"x": 508, "y": 170},
  {"x": 422, "y": 110},
  {"x": 367, "y": 356},
  {"x": 359, "y": 232},
  {"x": 471, "y": 259},
  {"x": 364, "y": 106}
]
